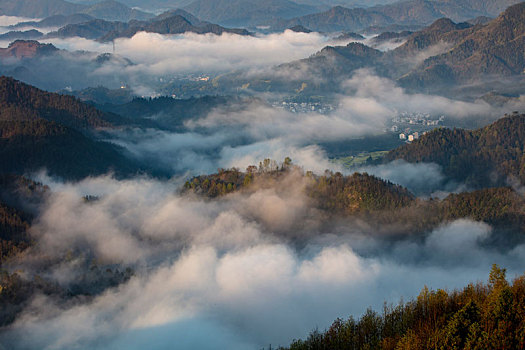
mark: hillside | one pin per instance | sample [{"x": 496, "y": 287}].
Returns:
[
  {"x": 109, "y": 10},
  {"x": 485, "y": 157},
  {"x": 497, "y": 48},
  {"x": 337, "y": 19},
  {"x": 38, "y": 8},
  {"x": 385, "y": 207},
  {"x": 246, "y": 12},
  {"x": 21, "y": 49},
  {"x": 13, "y": 231},
  {"x": 175, "y": 24},
  {"x": 19, "y": 101},
  {"x": 41, "y": 130},
  {"x": 167, "y": 23},
  {"x": 441, "y": 58},
  {"x": 93, "y": 29},
  {"x": 32, "y": 145},
  {"x": 115, "y": 11},
  {"x": 480, "y": 316},
  {"x": 409, "y": 12}
]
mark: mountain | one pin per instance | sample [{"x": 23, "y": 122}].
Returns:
[
  {"x": 497, "y": 48},
  {"x": 150, "y": 5},
  {"x": 178, "y": 12},
  {"x": 445, "y": 58},
  {"x": 427, "y": 11},
  {"x": 334, "y": 193},
  {"x": 31, "y": 145},
  {"x": 35, "y": 64},
  {"x": 115, "y": 11},
  {"x": 397, "y": 37},
  {"x": 485, "y": 157},
  {"x": 93, "y": 29},
  {"x": 109, "y": 10},
  {"x": 164, "y": 24},
  {"x": 171, "y": 25},
  {"x": 21, "y": 102},
  {"x": 337, "y": 19},
  {"x": 407, "y": 13},
  {"x": 41, "y": 130},
  {"x": 38, "y": 8},
  {"x": 23, "y": 35},
  {"x": 378, "y": 202},
  {"x": 246, "y": 12},
  {"x": 490, "y": 7},
  {"x": 20, "y": 49}
]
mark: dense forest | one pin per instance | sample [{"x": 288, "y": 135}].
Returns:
[
  {"x": 32, "y": 145},
  {"x": 331, "y": 191},
  {"x": 485, "y": 157},
  {"x": 19, "y": 101},
  {"x": 19, "y": 198},
  {"x": 480, "y": 316},
  {"x": 13, "y": 231},
  {"x": 380, "y": 202},
  {"x": 41, "y": 130}
]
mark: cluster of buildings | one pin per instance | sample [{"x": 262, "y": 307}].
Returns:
[
  {"x": 413, "y": 125},
  {"x": 304, "y": 107},
  {"x": 409, "y": 137},
  {"x": 417, "y": 119}
]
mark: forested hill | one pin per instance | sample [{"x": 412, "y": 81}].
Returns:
[
  {"x": 380, "y": 203},
  {"x": 47, "y": 131},
  {"x": 485, "y": 157},
  {"x": 19, "y": 101},
  {"x": 481, "y": 316},
  {"x": 332, "y": 191}
]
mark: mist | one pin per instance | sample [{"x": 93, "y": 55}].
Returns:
[
  {"x": 168, "y": 54},
  {"x": 252, "y": 268},
  {"x": 6, "y": 21},
  {"x": 225, "y": 273},
  {"x": 243, "y": 133}
]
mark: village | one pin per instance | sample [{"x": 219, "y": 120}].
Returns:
[{"x": 411, "y": 126}]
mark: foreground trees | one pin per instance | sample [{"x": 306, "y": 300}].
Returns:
[{"x": 481, "y": 316}]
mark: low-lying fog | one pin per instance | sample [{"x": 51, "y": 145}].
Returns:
[
  {"x": 247, "y": 270},
  {"x": 216, "y": 274}
]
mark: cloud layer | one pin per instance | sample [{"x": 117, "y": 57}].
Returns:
[{"x": 227, "y": 272}]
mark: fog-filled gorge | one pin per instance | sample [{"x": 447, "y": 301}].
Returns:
[{"x": 229, "y": 215}]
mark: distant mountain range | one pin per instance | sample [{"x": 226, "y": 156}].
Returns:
[
  {"x": 35, "y": 63},
  {"x": 247, "y": 12},
  {"x": 438, "y": 59},
  {"x": 108, "y": 10},
  {"x": 171, "y": 22},
  {"x": 410, "y": 12}
]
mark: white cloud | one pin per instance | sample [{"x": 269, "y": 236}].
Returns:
[
  {"x": 170, "y": 54},
  {"x": 224, "y": 268}
]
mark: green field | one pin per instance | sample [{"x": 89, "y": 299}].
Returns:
[{"x": 359, "y": 159}]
